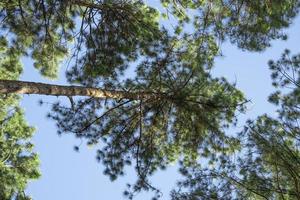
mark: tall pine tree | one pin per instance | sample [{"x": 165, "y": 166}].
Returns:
[{"x": 187, "y": 109}]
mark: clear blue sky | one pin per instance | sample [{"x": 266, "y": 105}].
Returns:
[{"x": 67, "y": 175}]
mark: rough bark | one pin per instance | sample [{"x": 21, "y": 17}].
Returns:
[{"x": 24, "y": 87}]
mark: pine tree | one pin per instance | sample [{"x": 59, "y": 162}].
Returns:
[
  {"x": 269, "y": 165},
  {"x": 18, "y": 163},
  {"x": 172, "y": 109}
]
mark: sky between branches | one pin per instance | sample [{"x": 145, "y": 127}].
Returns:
[{"x": 77, "y": 176}]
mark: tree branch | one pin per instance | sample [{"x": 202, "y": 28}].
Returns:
[{"x": 24, "y": 87}]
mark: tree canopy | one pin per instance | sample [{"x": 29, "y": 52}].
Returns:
[
  {"x": 18, "y": 162},
  {"x": 186, "y": 117},
  {"x": 268, "y": 166}
]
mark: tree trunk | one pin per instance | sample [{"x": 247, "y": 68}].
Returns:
[{"x": 24, "y": 87}]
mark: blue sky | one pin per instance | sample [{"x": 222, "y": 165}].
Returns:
[{"x": 67, "y": 175}]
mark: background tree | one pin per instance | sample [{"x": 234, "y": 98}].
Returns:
[
  {"x": 18, "y": 163},
  {"x": 268, "y": 167},
  {"x": 251, "y": 25}
]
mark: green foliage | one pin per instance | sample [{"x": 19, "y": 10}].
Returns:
[
  {"x": 108, "y": 35},
  {"x": 252, "y": 25},
  {"x": 269, "y": 165},
  {"x": 39, "y": 28},
  {"x": 114, "y": 37},
  {"x": 186, "y": 120},
  {"x": 18, "y": 163},
  {"x": 9, "y": 60}
]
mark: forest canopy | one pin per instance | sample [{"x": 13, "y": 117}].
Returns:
[{"x": 170, "y": 109}]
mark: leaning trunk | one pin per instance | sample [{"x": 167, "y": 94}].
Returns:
[{"x": 24, "y": 87}]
